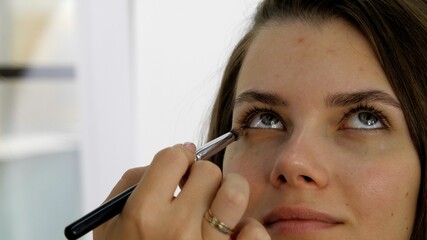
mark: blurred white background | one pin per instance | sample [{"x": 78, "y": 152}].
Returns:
[{"x": 110, "y": 84}]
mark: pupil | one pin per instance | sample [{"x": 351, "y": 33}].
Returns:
[
  {"x": 268, "y": 119},
  {"x": 367, "y": 118}
]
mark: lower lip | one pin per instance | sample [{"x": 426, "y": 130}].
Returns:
[{"x": 297, "y": 226}]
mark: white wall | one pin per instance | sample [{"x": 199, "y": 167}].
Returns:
[
  {"x": 104, "y": 77},
  {"x": 148, "y": 71},
  {"x": 181, "y": 51}
]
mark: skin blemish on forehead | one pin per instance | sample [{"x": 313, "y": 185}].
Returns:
[
  {"x": 330, "y": 50},
  {"x": 300, "y": 40}
]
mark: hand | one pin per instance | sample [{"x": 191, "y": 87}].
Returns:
[{"x": 152, "y": 212}]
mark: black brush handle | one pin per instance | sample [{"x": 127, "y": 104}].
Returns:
[{"x": 98, "y": 216}]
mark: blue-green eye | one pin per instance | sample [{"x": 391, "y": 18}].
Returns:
[
  {"x": 363, "y": 117},
  {"x": 262, "y": 119},
  {"x": 266, "y": 120}
]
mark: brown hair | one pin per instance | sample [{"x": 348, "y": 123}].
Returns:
[{"x": 396, "y": 30}]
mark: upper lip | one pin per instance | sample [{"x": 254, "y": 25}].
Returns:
[{"x": 299, "y": 213}]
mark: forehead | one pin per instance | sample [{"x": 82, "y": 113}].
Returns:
[{"x": 334, "y": 56}]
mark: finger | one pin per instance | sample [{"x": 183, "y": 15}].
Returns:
[
  {"x": 192, "y": 148},
  {"x": 162, "y": 177},
  {"x": 251, "y": 229},
  {"x": 204, "y": 179},
  {"x": 129, "y": 178},
  {"x": 228, "y": 205}
]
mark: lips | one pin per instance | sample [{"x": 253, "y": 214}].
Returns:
[{"x": 290, "y": 220}]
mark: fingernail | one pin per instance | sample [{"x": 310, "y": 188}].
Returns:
[{"x": 189, "y": 145}]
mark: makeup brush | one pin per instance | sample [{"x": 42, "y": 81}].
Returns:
[{"x": 114, "y": 206}]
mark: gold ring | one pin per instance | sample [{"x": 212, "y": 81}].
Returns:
[{"x": 217, "y": 224}]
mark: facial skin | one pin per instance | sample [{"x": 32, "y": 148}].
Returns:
[{"x": 327, "y": 153}]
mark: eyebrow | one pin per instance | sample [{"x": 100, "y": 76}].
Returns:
[
  {"x": 346, "y": 99},
  {"x": 332, "y": 100},
  {"x": 269, "y": 98}
]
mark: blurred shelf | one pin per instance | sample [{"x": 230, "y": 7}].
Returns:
[
  {"x": 31, "y": 72},
  {"x": 27, "y": 146}
]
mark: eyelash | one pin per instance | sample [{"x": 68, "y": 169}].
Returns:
[
  {"x": 371, "y": 109},
  {"x": 253, "y": 111}
]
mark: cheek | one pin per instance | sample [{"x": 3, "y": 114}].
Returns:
[
  {"x": 383, "y": 191},
  {"x": 239, "y": 158},
  {"x": 253, "y": 155},
  {"x": 252, "y": 163},
  {"x": 377, "y": 184}
]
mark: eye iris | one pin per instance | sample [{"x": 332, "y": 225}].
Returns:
[
  {"x": 268, "y": 120},
  {"x": 368, "y": 118}
]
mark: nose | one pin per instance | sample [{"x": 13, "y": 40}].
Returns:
[{"x": 301, "y": 162}]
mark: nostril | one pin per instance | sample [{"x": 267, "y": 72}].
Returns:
[
  {"x": 307, "y": 179},
  {"x": 282, "y": 179}
]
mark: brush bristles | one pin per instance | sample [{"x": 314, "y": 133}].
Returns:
[{"x": 237, "y": 133}]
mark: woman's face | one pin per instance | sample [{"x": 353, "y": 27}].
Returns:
[{"x": 326, "y": 151}]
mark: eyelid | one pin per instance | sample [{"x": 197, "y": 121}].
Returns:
[
  {"x": 368, "y": 108},
  {"x": 248, "y": 115},
  {"x": 253, "y": 111}
]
